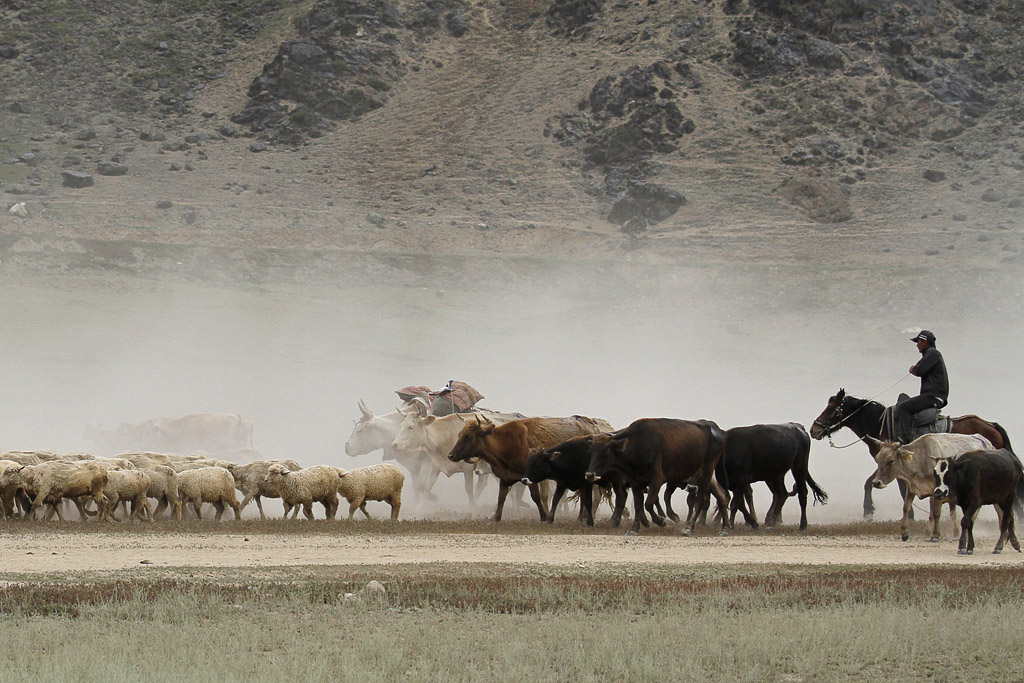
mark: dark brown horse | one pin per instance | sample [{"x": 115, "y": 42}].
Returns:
[{"x": 864, "y": 418}]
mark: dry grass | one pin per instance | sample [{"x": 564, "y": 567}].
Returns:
[
  {"x": 472, "y": 622},
  {"x": 514, "y": 527}
]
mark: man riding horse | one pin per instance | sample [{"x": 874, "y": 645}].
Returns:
[{"x": 934, "y": 387}]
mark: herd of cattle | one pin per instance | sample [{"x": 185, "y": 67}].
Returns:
[{"x": 580, "y": 454}]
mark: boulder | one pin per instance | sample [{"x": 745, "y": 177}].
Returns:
[
  {"x": 77, "y": 179},
  {"x": 111, "y": 168},
  {"x": 824, "y": 201}
]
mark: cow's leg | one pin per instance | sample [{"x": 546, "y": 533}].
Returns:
[
  {"x": 1011, "y": 531},
  {"x": 481, "y": 484},
  {"x": 952, "y": 517},
  {"x": 620, "y": 503},
  {"x": 539, "y": 501},
  {"x": 587, "y": 502},
  {"x": 908, "y": 503},
  {"x": 934, "y": 514},
  {"x": 638, "y": 510},
  {"x": 427, "y": 484},
  {"x": 559, "y": 492},
  {"x": 670, "y": 513},
  {"x": 502, "y": 495},
  {"x": 652, "y": 501},
  {"x": 738, "y": 504},
  {"x": 468, "y": 485},
  {"x": 1005, "y": 523},
  {"x": 903, "y": 490},
  {"x": 966, "y": 546}
]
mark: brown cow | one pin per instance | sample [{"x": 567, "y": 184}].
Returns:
[
  {"x": 507, "y": 447},
  {"x": 651, "y": 452}
]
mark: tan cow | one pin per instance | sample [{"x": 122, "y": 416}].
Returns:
[
  {"x": 915, "y": 465},
  {"x": 210, "y": 432}
]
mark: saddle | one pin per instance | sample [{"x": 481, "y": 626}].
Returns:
[
  {"x": 457, "y": 397},
  {"x": 927, "y": 421}
]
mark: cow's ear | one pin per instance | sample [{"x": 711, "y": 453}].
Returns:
[
  {"x": 429, "y": 419},
  {"x": 905, "y": 455},
  {"x": 555, "y": 454}
]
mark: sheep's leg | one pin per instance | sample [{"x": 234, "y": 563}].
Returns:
[
  {"x": 396, "y": 505},
  {"x": 259, "y": 505},
  {"x": 219, "y": 505},
  {"x": 363, "y": 508},
  {"x": 237, "y": 508},
  {"x": 160, "y": 507},
  {"x": 197, "y": 507},
  {"x": 352, "y": 507},
  {"x": 307, "y": 509}
]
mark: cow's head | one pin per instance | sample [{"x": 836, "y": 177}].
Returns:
[
  {"x": 831, "y": 419},
  {"x": 942, "y": 468},
  {"x": 890, "y": 459},
  {"x": 538, "y": 466},
  {"x": 412, "y": 434},
  {"x": 472, "y": 440},
  {"x": 603, "y": 450}
]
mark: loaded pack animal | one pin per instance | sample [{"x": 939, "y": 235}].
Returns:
[
  {"x": 507, "y": 447},
  {"x": 914, "y": 464},
  {"x": 982, "y": 477},
  {"x": 566, "y": 464},
  {"x": 767, "y": 452},
  {"x": 431, "y": 437},
  {"x": 652, "y": 452},
  {"x": 864, "y": 418},
  {"x": 377, "y": 432}
]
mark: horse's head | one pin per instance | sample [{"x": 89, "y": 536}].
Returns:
[{"x": 831, "y": 419}]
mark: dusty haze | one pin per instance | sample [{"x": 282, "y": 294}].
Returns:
[{"x": 739, "y": 344}]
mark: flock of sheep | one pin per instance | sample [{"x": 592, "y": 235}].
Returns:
[{"x": 30, "y": 481}]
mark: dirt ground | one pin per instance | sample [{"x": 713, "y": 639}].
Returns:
[{"x": 47, "y": 553}]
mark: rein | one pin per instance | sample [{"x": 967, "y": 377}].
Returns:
[{"x": 839, "y": 425}]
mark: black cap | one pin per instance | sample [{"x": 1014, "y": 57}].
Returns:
[{"x": 924, "y": 335}]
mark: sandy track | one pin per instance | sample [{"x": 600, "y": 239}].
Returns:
[{"x": 48, "y": 553}]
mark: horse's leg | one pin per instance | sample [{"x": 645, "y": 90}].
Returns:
[{"x": 869, "y": 505}]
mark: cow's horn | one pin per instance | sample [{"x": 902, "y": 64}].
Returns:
[
  {"x": 365, "y": 411},
  {"x": 873, "y": 440}
]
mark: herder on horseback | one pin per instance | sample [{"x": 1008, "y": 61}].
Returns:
[{"x": 934, "y": 387}]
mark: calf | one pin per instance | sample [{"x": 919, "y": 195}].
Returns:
[
  {"x": 977, "y": 478},
  {"x": 506, "y": 448},
  {"x": 566, "y": 464},
  {"x": 914, "y": 464},
  {"x": 652, "y": 452}
]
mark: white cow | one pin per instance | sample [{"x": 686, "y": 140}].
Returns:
[
  {"x": 433, "y": 437},
  {"x": 915, "y": 464},
  {"x": 211, "y": 432}
]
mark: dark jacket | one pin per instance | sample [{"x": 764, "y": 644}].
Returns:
[{"x": 932, "y": 371}]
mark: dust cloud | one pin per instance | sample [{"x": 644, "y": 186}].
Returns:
[{"x": 618, "y": 340}]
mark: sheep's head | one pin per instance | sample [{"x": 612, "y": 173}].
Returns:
[{"x": 277, "y": 470}]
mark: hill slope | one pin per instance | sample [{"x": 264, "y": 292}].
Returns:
[{"x": 779, "y": 130}]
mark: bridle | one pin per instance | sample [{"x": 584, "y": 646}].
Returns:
[{"x": 830, "y": 429}]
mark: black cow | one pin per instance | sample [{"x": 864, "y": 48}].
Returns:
[
  {"x": 977, "y": 478},
  {"x": 566, "y": 464},
  {"x": 766, "y": 453},
  {"x": 652, "y": 452}
]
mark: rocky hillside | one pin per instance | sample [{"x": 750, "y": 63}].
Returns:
[{"x": 758, "y": 128}]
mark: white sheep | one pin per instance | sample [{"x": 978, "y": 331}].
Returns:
[
  {"x": 11, "y": 503},
  {"x": 251, "y": 480},
  {"x": 130, "y": 486},
  {"x": 377, "y": 482},
  {"x": 163, "y": 485},
  {"x": 317, "y": 484},
  {"x": 51, "y": 482},
  {"x": 208, "y": 485}
]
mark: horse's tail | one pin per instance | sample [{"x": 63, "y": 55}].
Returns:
[{"x": 1003, "y": 435}]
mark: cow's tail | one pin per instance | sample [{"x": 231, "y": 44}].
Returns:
[
  {"x": 1018, "y": 496},
  {"x": 718, "y": 441},
  {"x": 819, "y": 493},
  {"x": 1003, "y": 435}
]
